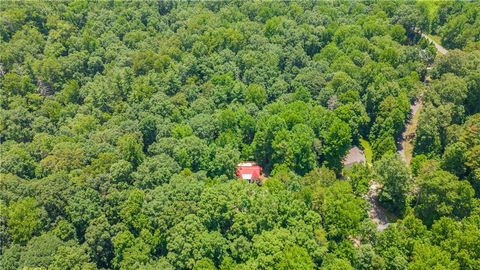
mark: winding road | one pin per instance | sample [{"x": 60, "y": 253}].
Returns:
[
  {"x": 378, "y": 214},
  {"x": 405, "y": 143}
]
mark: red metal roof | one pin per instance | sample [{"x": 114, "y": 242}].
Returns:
[{"x": 249, "y": 171}]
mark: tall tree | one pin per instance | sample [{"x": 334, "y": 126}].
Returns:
[{"x": 396, "y": 182}]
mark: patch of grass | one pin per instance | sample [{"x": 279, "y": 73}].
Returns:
[{"x": 367, "y": 150}]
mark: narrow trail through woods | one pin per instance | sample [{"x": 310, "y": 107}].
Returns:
[{"x": 379, "y": 215}]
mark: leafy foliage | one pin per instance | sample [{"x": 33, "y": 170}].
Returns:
[{"x": 122, "y": 123}]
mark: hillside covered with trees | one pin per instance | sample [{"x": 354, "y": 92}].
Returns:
[{"x": 122, "y": 123}]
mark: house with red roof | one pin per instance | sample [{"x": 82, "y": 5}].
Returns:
[{"x": 249, "y": 170}]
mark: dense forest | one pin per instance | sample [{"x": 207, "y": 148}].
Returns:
[{"x": 122, "y": 123}]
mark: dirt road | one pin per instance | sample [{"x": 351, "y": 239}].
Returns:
[
  {"x": 379, "y": 215},
  {"x": 439, "y": 47},
  {"x": 405, "y": 142}
]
